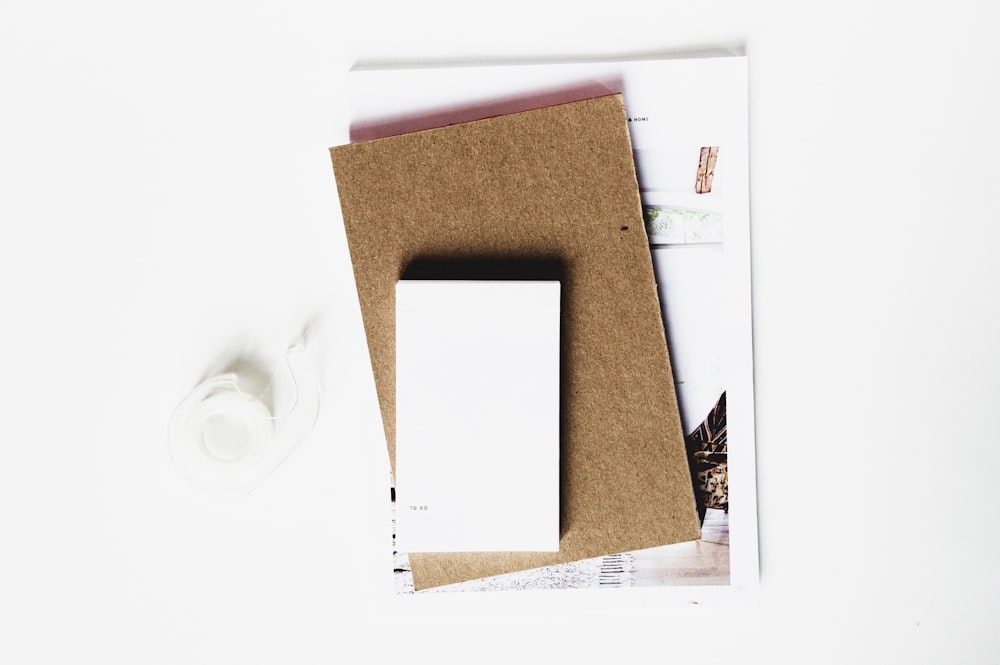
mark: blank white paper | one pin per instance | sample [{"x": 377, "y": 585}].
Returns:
[{"x": 477, "y": 416}]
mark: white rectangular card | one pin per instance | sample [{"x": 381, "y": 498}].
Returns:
[{"x": 477, "y": 416}]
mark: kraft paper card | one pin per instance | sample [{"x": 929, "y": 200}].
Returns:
[{"x": 543, "y": 194}]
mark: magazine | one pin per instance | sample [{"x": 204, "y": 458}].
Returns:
[{"x": 687, "y": 120}]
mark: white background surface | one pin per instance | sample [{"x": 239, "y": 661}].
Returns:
[{"x": 167, "y": 196}]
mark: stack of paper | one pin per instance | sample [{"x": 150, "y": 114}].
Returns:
[
  {"x": 556, "y": 184},
  {"x": 477, "y": 415}
]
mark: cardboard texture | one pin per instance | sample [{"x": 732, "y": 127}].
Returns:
[{"x": 553, "y": 186}]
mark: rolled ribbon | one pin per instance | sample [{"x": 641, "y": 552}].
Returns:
[{"x": 226, "y": 441}]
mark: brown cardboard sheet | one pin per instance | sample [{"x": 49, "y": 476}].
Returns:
[{"x": 552, "y": 189}]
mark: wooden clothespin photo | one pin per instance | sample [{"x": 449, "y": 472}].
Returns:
[{"x": 706, "y": 169}]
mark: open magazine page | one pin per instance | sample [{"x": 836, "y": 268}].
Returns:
[{"x": 688, "y": 124}]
